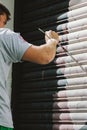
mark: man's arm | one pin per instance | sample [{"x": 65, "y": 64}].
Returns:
[{"x": 45, "y": 53}]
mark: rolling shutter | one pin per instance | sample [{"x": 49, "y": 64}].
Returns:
[{"x": 53, "y": 96}]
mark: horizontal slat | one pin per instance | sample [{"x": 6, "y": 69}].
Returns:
[
  {"x": 39, "y": 4},
  {"x": 56, "y": 116},
  {"x": 62, "y": 105},
  {"x": 44, "y": 12},
  {"x": 63, "y": 53},
  {"x": 54, "y": 126},
  {"x": 76, "y": 3},
  {"x": 55, "y": 94},
  {"x": 73, "y": 13},
  {"x": 72, "y": 47},
  {"x": 56, "y": 82},
  {"x": 73, "y": 5},
  {"x": 68, "y": 59},
  {"x": 70, "y": 25},
  {"x": 79, "y": 122},
  {"x": 75, "y": 71},
  {"x": 74, "y": 35}
]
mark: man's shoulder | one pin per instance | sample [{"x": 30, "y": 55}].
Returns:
[{"x": 5, "y": 31}]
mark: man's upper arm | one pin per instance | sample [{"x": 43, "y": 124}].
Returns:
[{"x": 33, "y": 54}]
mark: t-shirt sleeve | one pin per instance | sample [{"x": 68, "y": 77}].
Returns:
[{"x": 15, "y": 46}]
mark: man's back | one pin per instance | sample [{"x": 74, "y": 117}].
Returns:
[{"x": 5, "y": 66}]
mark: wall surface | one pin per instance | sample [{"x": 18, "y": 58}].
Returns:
[{"x": 10, "y": 5}]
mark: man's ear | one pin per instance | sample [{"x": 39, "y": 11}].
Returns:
[{"x": 0, "y": 17}]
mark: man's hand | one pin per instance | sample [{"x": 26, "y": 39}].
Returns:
[{"x": 51, "y": 35}]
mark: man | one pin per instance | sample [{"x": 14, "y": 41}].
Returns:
[{"x": 14, "y": 49}]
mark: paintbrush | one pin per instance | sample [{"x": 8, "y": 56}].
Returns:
[{"x": 65, "y": 51}]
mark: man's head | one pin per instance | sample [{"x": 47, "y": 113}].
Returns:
[{"x": 4, "y": 15}]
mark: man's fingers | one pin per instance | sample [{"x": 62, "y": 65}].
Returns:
[{"x": 52, "y": 34}]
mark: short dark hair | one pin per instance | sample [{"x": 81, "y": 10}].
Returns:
[{"x": 4, "y": 10}]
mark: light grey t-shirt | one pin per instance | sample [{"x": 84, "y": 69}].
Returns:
[{"x": 12, "y": 48}]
